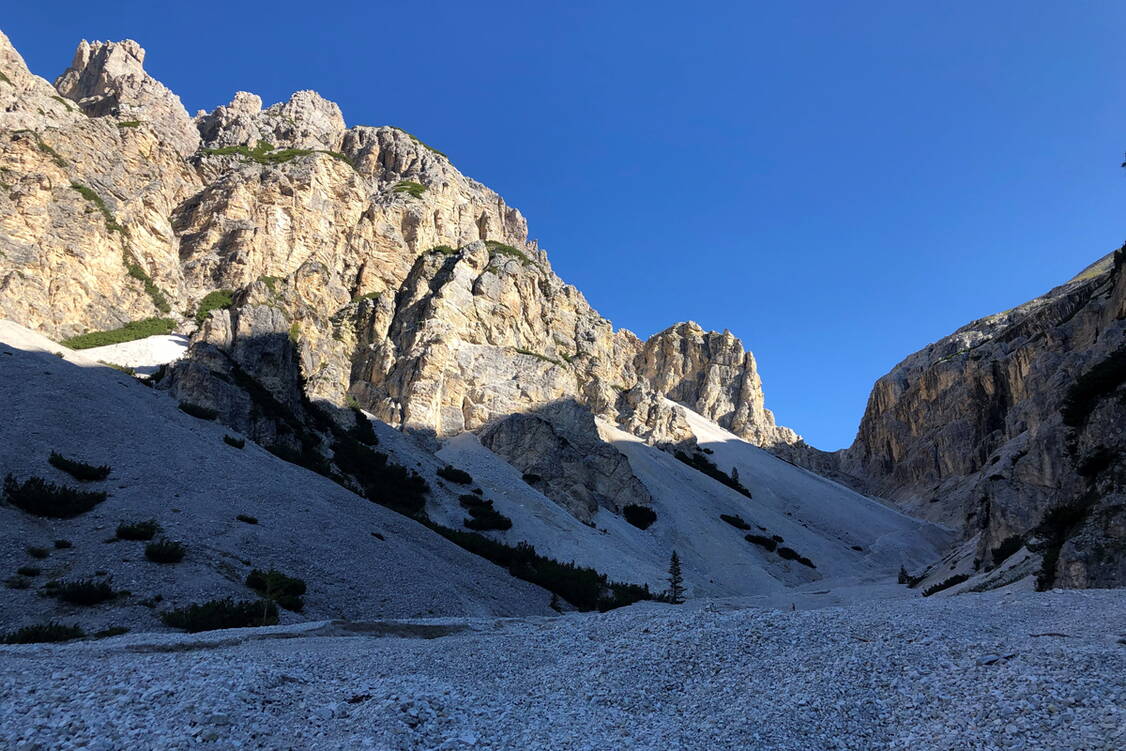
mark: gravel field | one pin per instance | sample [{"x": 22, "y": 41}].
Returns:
[{"x": 993, "y": 671}]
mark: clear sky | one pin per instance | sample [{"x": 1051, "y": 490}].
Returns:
[{"x": 837, "y": 183}]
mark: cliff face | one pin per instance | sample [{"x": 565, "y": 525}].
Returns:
[
  {"x": 1010, "y": 417},
  {"x": 401, "y": 283}
]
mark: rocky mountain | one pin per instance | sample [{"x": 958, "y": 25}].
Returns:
[
  {"x": 1011, "y": 431},
  {"x": 333, "y": 289}
]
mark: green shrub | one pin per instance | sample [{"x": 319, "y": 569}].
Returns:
[
  {"x": 362, "y": 431},
  {"x": 129, "y": 124},
  {"x": 382, "y": 481},
  {"x": 499, "y": 248},
  {"x": 145, "y": 530},
  {"x": 445, "y": 250},
  {"x": 35, "y": 552},
  {"x": 700, "y": 462},
  {"x": 583, "y": 587},
  {"x": 247, "y": 519},
  {"x": 155, "y": 293},
  {"x": 63, "y": 544},
  {"x": 127, "y": 333},
  {"x": 29, "y": 571},
  {"x": 274, "y": 585},
  {"x": 38, "y": 497},
  {"x": 735, "y": 521},
  {"x": 468, "y": 500},
  {"x": 792, "y": 555},
  {"x": 483, "y": 517},
  {"x": 17, "y": 582},
  {"x": 306, "y": 456},
  {"x": 225, "y": 613},
  {"x": 1007, "y": 547},
  {"x": 639, "y": 516},
  {"x": 83, "y": 591},
  {"x": 110, "y": 220},
  {"x": 455, "y": 475},
  {"x": 238, "y": 443},
  {"x": 762, "y": 541},
  {"x": 126, "y": 369},
  {"x": 220, "y": 299},
  {"x": 42, "y": 633},
  {"x": 410, "y": 187},
  {"x": 422, "y": 143},
  {"x": 165, "y": 551},
  {"x": 531, "y": 478},
  {"x": 947, "y": 584},
  {"x": 199, "y": 411},
  {"x": 79, "y": 470},
  {"x": 266, "y": 153}
]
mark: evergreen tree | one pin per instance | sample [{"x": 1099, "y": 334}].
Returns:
[{"x": 676, "y": 581}]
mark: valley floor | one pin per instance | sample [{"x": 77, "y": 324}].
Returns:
[{"x": 1016, "y": 670}]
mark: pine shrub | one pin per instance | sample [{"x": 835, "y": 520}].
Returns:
[
  {"x": 762, "y": 541},
  {"x": 39, "y": 497},
  {"x": 199, "y": 411},
  {"x": 238, "y": 443},
  {"x": 77, "y": 469},
  {"x": 225, "y": 613},
  {"x": 285, "y": 590},
  {"x": 37, "y": 552},
  {"x": 247, "y": 519},
  {"x": 947, "y": 584},
  {"x": 145, "y": 530},
  {"x": 83, "y": 591},
  {"x": 42, "y": 633},
  {"x": 165, "y": 551},
  {"x": 455, "y": 475},
  {"x": 735, "y": 521},
  {"x": 639, "y": 516}
]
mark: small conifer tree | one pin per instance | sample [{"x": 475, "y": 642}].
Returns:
[{"x": 676, "y": 581}]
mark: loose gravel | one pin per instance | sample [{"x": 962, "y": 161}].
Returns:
[{"x": 991, "y": 671}]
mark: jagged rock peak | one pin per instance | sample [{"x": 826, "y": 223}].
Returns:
[
  {"x": 711, "y": 373},
  {"x": 26, "y": 100},
  {"x": 109, "y": 79},
  {"x": 306, "y": 121}
]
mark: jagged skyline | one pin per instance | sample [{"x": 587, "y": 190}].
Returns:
[{"x": 758, "y": 235}]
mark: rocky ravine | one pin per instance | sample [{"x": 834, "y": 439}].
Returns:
[{"x": 1011, "y": 430}]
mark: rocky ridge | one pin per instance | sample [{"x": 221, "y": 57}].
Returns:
[
  {"x": 403, "y": 284},
  {"x": 1011, "y": 431}
]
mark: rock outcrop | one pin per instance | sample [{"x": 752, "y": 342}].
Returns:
[
  {"x": 559, "y": 450},
  {"x": 108, "y": 79},
  {"x": 982, "y": 430}
]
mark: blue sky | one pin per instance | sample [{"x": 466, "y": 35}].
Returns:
[{"x": 837, "y": 183}]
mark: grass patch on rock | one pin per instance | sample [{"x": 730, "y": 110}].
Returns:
[
  {"x": 220, "y": 299},
  {"x": 129, "y": 332}
]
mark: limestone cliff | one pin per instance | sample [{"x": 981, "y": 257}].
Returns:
[{"x": 1011, "y": 417}]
